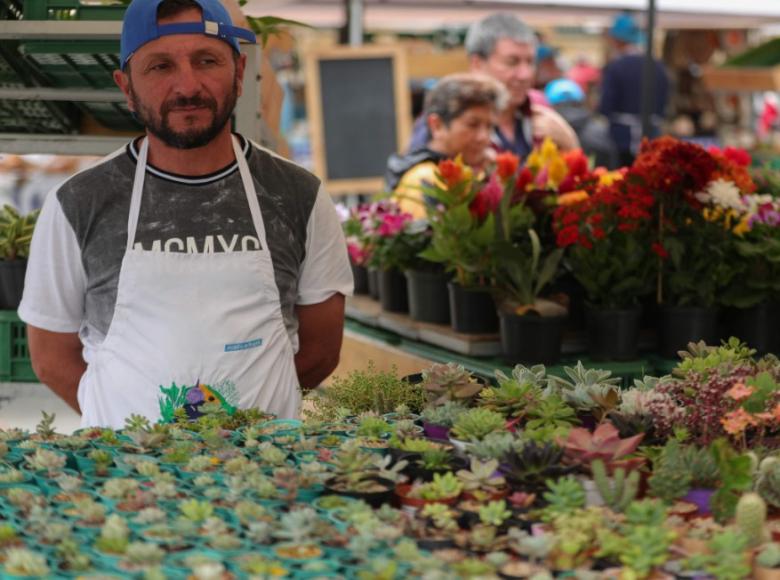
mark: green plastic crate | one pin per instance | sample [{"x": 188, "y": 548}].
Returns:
[
  {"x": 73, "y": 10},
  {"x": 15, "y": 364}
]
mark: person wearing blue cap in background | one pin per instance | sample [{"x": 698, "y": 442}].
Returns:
[
  {"x": 547, "y": 68},
  {"x": 568, "y": 99},
  {"x": 622, "y": 87},
  {"x": 192, "y": 266}
]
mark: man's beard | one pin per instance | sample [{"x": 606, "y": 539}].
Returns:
[{"x": 159, "y": 125}]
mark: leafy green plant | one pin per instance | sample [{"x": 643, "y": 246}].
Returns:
[
  {"x": 510, "y": 398},
  {"x": 736, "y": 477},
  {"x": 436, "y": 459},
  {"x": 476, "y": 424},
  {"x": 443, "y": 486},
  {"x": 362, "y": 391},
  {"x": 494, "y": 513},
  {"x": 728, "y": 557},
  {"x": 641, "y": 548},
  {"x": 16, "y": 233},
  {"x": 679, "y": 468},
  {"x": 373, "y": 427}
]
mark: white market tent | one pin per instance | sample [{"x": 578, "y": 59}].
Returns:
[{"x": 435, "y": 14}]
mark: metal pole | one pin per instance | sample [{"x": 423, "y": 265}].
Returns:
[
  {"x": 355, "y": 24},
  {"x": 649, "y": 97}
]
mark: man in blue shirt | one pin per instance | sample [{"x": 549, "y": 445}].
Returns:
[{"x": 622, "y": 87}]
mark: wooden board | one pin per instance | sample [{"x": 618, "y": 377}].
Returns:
[
  {"x": 358, "y": 105},
  {"x": 742, "y": 79}
]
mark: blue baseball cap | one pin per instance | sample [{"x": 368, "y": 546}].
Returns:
[
  {"x": 625, "y": 28},
  {"x": 544, "y": 51},
  {"x": 140, "y": 26},
  {"x": 563, "y": 91}
]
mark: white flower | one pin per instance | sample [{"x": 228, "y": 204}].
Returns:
[{"x": 723, "y": 193}]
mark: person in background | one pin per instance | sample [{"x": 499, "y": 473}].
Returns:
[
  {"x": 622, "y": 88},
  {"x": 593, "y": 132},
  {"x": 547, "y": 67},
  {"x": 504, "y": 47},
  {"x": 460, "y": 113}
]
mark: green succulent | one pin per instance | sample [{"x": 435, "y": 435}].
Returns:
[
  {"x": 617, "y": 491},
  {"x": 769, "y": 556},
  {"x": 510, "y": 398},
  {"x": 494, "y": 513},
  {"x": 493, "y": 446},
  {"x": 728, "y": 557},
  {"x": 443, "y": 486},
  {"x": 476, "y": 424},
  {"x": 593, "y": 390},
  {"x": 196, "y": 511},
  {"x": 565, "y": 495},
  {"x": 449, "y": 382},
  {"x": 445, "y": 414}
]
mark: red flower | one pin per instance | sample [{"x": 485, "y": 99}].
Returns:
[
  {"x": 738, "y": 156},
  {"x": 598, "y": 233},
  {"x": 450, "y": 171},
  {"x": 506, "y": 165},
  {"x": 567, "y": 236},
  {"x": 585, "y": 242},
  {"x": 488, "y": 198},
  {"x": 660, "y": 250},
  {"x": 393, "y": 224}
]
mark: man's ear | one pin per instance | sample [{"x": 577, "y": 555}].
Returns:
[
  {"x": 435, "y": 123},
  {"x": 122, "y": 80},
  {"x": 240, "y": 69}
]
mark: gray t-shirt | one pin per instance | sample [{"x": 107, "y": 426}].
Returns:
[{"x": 81, "y": 236}]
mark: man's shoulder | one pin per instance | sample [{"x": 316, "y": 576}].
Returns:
[
  {"x": 273, "y": 170},
  {"x": 98, "y": 180}
]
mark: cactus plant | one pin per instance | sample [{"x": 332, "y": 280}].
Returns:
[
  {"x": 751, "y": 519},
  {"x": 768, "y": 481},
  {"x": 619, "y": 490}
]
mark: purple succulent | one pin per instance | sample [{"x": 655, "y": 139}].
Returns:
[{"x": 194, "y": 396}]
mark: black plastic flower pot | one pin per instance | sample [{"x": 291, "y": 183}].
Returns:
[
  {"x": 11, "y": 283},
  {"x": 472, "y": 310},
  {"x": 531, "y": 339},
  {"x": 392, "y": 291},
  {"x": 756, "y": 326},
  {"x": 613, "y": 334},
  {"x": 427, "y": 296},
  {"x": 373, "y": 283},
  {"x": 683, "y": 324},
  {"x": 360, "y": 277}
]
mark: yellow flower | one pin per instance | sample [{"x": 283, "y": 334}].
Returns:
[
  {"x": 572, "y": 197},
  {"x": 609, "y": 178},
  {"x": 558, "y": 172},
  {"x": 549, "y": 151},
  {"x": 742, "y": 227},
  {"x": 534, "y": 161}
]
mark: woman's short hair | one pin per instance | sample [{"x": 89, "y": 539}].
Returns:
[
  {"x": 482, "y": 36},
  {"x": 454, "y": 94}
]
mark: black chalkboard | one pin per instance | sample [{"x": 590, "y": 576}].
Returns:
[{"x": 358, "y": 116}]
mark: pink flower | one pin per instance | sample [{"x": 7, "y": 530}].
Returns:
[
  {"x": 488, "y": 198},
  {"x": 737, "y": 421},
  {"x": 393, "y": 224},
  {"x": 357, "y": 254},
  {"x": 740, "y": 391}
]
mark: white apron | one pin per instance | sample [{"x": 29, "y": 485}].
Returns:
[{"x": 192, "y": 328}]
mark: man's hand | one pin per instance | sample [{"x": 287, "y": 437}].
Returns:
[
  {"x": 57, "y": 361},
  {"x": 320, "y": 332},
  {"x": 548, "y": 123}
]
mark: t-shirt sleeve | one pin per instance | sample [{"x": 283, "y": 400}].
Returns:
[
  {"x": 55, "y": 283},
  {"x": 325, "y": 270}
]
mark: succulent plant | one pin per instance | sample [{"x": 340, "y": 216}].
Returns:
[
  {"x": 114, "y": 535},
  {"x": 768, "y": 480},
  {"x": 71, "y": 557},
  {"x": 476, "y": 424},
  {"x": 534, "y": 547},
  {"x": 24, "y": 562},
  {"x": 45, "y": 459},
  {"x": 90, "y": 512},
  {"x": 493, "y": 446},
  {"x": 445, "y": 414},
  {"x": 582, "y": 447},
  {"x": 617, "y": 491},
  {"x": 435, "y": 459},
  {"x": 219, "y": 534},
  {"x": 297, "y": 526},
  {"x": 527, "y": 467},
  {"x": 494, "y": 513},
  {"x": 592, "y": 390},
  {"x": 564, "y": 496},
  {"x": 443, "y": 486},
  {"x": 196, "y": 511},
  {"x": 510, "y": 398},
  {"x": 481, "y": 475},
  {"x": 751, "y": 519},
  {"x": 45, "y": 428},
  {"x": 442, "y": 517},
  {"x": 449, "y": 382},
  {"x": 726, "y": 558},
  {"x": 769, "y": 556},
  {"x": 140, "y": 555},
  {"x": 373, "y": 427}
]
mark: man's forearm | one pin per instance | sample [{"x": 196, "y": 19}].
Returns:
[
  {"x": 57, "y": 362},
  {"x": 64, "y": 381},
  {"x": 313, "y": 368}
]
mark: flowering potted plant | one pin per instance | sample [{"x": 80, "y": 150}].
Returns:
[
  {"x": 352, "y": 224},
  {"x": 690, "y": 242},
  {"x": 531, "y": 327},
  {"x": 393, "y": 240},
  {"x": 608, "y": 236},
  {"x": 463, "y": 229}
]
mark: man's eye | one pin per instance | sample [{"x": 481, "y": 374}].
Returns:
[{"x": 159, "y": 66}]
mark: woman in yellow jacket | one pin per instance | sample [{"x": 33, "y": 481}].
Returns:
[{"x": 460, "y": 112}]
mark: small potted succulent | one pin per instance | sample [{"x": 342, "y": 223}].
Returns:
[
  {"x": 450, "y": 383},
  {"x": 767, "y": 562},
  {"x": 297, "y": 530},
  {"x": 444, "y": 488},
  {"x": 438, "y": 420},
  {"x": 474, "y": 425},
  {"x": 355, "y": 475},
  {"x": 24, "y": 563},
  {"x": 482, "y": 481}
]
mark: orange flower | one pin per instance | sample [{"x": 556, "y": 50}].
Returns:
[
  {"x": 776, "y": 413},
  {"x": 451, "y": 171},
  {"x": 506, "y": 165},
  {"x": 737, "y": 421},
  {"x": 740, "y": 391},
  {"x": 572, "y": 197}
]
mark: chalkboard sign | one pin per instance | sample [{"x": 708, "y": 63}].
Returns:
[{"x": 359, "y": 113}]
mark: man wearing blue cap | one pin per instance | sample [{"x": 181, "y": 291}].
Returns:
[
  {"x": 622, "y": 88},
  {"x": 191, "y": 267}
]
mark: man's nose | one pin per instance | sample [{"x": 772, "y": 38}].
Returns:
[{"x": 186, "y": 81}]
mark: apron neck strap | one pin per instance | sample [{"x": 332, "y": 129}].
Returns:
[{"x": 246, "y": 179}]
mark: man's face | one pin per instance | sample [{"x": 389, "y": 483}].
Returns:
[
  {"x": 467, "y": 135},
  {"x": 183, "y": 88},
  {"x": 513, "y": 64}
]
